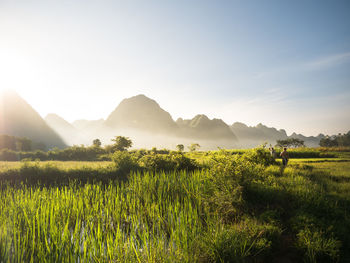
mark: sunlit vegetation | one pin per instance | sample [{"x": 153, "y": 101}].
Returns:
[{"x": 147, "y": 206}]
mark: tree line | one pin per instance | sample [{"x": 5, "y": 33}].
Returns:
[
  {"x": 15, "y": 149},
  {"x": 340, "y": 140}
]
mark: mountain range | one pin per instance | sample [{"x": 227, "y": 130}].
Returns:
[{"x": 140, "y": 118}]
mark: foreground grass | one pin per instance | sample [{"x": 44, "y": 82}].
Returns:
[
  {"x": 137, "y": 221},
  {"x": 63, "y": 165},
  {"x": 240, "y": 209}
]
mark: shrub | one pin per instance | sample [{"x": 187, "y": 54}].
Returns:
[
  {"x": 230, "y": 176},
  {"x": 124, "y": 161},
  {"x": 259, "y": 156},
  {"x": 242, "y": 168},
  {"x": 173, "y": 161}
]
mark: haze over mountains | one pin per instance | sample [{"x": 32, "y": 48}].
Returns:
[
  {"x": 141, "y": 113},
  {"x": 249, "y": 136},
  {"x": 18, "y": 118},
  {"x": 141, "y": 119}
]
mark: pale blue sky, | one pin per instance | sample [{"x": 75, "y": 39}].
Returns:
[{"x": 283, "y": 63}]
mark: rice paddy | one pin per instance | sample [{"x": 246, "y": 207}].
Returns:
[{"x": 239, "y": 209}]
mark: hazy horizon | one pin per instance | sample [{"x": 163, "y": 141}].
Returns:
[{"x": 286, "y": 65}]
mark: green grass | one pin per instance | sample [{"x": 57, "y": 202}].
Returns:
[
  {"x": 318, "y": 160},
  {"x": 65, "y": 165},
  {"x": 147, "y": 219},
  {"x": 236, "y": 208}
]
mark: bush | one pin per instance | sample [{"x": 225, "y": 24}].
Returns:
[
  {"x": 230, "y": 175},
  {"x": 241, "y": 168},
  {"x": 259, "y": 156},
  {"x": 173, "y": 161},
  {"x": 124, "y": 161}
]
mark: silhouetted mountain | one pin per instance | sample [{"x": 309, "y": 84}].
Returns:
[
  {"x": 202, "y": 127},
  {"x": 66, "y": 130},
  {"x": 272, "y": 133},
  {"x": 141, "y": 113},
  {"x": 18, "y": 118}
]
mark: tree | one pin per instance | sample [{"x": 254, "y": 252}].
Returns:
[
  {"x": 121, "y": 143},
  {"x": 336, "y": 141},
  {"x": 328, "y": 142},
  {"x": 180, "y": 147},
  {"x": 96, "y": 143},
  {"x": 291, "y": 142},
  {"x": 193, "y": 147}
]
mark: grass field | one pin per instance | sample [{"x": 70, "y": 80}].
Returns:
[
  {"x": 60, "y": 164},
  {"x": 237, "y": 208}
]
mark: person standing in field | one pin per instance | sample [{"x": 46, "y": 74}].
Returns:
[
  {"x": 285, "y": 156},
  {"x": 272, "y": 152}
]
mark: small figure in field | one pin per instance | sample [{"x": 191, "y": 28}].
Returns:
[
  {"x": 272, "y": 152},
  {"x": 285, "y": 156}
]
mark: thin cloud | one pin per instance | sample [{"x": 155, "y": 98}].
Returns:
[
  {"x": 328, "y": 61},
  {"x": 320, "y": 63}
]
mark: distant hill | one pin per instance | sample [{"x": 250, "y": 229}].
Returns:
[
  {"x": 310, "y": 141},
  {"x": 248, "y": 135},
  {"x": 259, "y": 132},
  {"x": 67, "y": 131},
  {"x": 202, "y": 127},
  {"x": 140, "y": 118},
  {"x": 144, "y": 114},
  {"x": 18, "y": 118},
  {"x": 141, "y": 113}
]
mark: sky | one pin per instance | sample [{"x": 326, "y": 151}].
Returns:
[{"x": 285, "y": 64}]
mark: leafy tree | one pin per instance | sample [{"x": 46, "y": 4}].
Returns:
[
  {"x": 96, "y": 143},
  {"x": 328, "y": 142},
  {"x": 121, "y": 143},
  {"x": 180, "y": 147},
  {"x": 291, "y": 142},
  {"x": 193, "y": 147}
]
